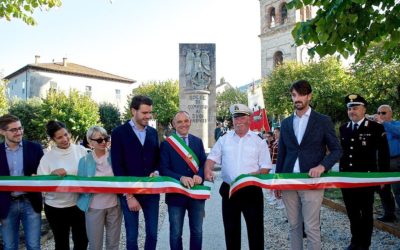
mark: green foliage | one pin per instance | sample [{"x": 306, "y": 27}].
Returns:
[
  {"x": 23, "y": 9},
  {"x": 30, "y": 114},
  {"x": 77, "y": 111},
  {"x": 330, "y": 83},
  {"x": 165, "y": 96},
  {"x": 3, "y": 98},
  {"x": 226, "y": 99},
  {"x": 349, "y": 27},
  {"x": 378, "y": 81},
  {"x": 110, "y": 116}
]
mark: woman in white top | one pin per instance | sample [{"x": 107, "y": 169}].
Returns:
[
  {"x": 60, "y": 208},
  {"x": 101, "y": 210}
]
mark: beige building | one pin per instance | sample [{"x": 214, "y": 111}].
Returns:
[
  {"x": 277, "y": 43},
  {"x": 37, "y": 79}
]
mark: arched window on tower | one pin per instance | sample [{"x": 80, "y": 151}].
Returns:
[
  {"x": 278, "y": 58},
  {"x": 283, "y": 13},
  {"x": 272, "y": 17},
  {"x": 302, "y": 15},
  {"x": 308, "y": 12}
]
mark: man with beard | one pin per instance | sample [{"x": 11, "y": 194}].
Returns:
[
  {"x": 306, "y": 136},
  {"x": 135, "y": 152},
  {"x": 19, "y": 157},
  {"x": 240, "y": 151},
  {"x": 365, "y": 149}
]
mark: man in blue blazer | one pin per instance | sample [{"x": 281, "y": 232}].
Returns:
[
  {"x": 135, "y": 152},
  {"x": 306, "y": 137},
  {"x": 183, "y": 158},
  {"x": 19, "y": 158}
]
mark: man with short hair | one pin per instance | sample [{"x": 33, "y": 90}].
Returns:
[
  {"x": 241, "y": 151},
  {"x": 135, "y": 152},
  {"x": 305, "y": 139},
  {"x": 384, "y": 116},
  {"x": 182, "y": 157},
  {"x": 365, "y": 149},
  {"x": 19, "y": 157}
]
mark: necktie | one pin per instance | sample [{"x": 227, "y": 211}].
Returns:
[
  {"x": 355, "y": 126},
  {"x": 184, "y": 139}
]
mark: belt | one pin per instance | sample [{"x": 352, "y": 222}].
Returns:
[{"x": 19, "y": 197}]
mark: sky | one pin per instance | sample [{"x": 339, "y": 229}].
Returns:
[{"x": 138, "y": 39}]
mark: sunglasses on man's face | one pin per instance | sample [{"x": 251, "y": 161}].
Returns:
[
  {"x": 100, "y": 140},
  {"x": 381, "y": 113}
]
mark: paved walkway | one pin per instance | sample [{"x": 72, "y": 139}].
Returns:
[{"x": 213, "y": 229}]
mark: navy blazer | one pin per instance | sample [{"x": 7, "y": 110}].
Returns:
[
  {"x": 319, "y": 137},
  {"x": 129, "y": 157},
  {"x": 173, "y": 165},
  {"x": 32, "y": 153}
]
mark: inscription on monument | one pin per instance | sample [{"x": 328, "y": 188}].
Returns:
[{"x": 197, "y": 107}]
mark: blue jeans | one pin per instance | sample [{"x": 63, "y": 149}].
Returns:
[
  {"x": 195, "y": 210},
  {"x": 150, "y": 207},
  {"x": 21, "y": 210}
]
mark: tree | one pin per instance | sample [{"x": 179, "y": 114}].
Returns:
[
  {"x": 30, "y": 114},
  {"x": 349, "y": 27},
  {"x": 165, "y": 96},
  {"x": 3, "y": 98},
  {"x": 77, "y": 111},
  {"x": 23, "y": 9},
  {"x": 110, "y": 116},
  {"x": 329, "y": 80},
  {"x": 378, "y": 81},
  {"x": 226, "y": 99}
]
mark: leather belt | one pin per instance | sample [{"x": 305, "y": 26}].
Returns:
[{"x": 19, "y": 197}]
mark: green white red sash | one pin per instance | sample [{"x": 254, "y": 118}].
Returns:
[
  {"x": 304, "y": 182},
  {"x": 76, "y": 184},
  {"x": 184, "y": 151}
]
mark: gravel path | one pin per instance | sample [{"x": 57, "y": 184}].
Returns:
[{"x": 335, "y": 230}]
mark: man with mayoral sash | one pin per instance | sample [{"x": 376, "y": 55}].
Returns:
[{"x": 182, "y": 157}]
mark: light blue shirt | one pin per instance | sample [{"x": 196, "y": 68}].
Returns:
[
  {"x": 141, "y": 134},
  {"x": 299, "y": 127},
  {"x": 15, "y": 162},
  {"x": 392, "y": 129}
]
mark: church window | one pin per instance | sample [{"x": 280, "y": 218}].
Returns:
[
  {"x": 302, "y": 15},
  {"x": 283, "y": 13},
  {"x": 308, "y": 12},
  {"x": 272, "y": 17},
  {"x": 278, "y": 58}
]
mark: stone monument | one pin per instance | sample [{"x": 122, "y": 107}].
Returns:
[{"x": 197, "y": 88}]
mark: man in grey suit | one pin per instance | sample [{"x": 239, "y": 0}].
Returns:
[{"x": 306, "y": 137}]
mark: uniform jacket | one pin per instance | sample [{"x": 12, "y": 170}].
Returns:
[
  {"x": 173, "y": 165},
  {"x": 364, "y": 150},
  {"x": 319, "y": 137},
  {"x": 32, "y": 153},
  {"x": 129, "y": 157}
]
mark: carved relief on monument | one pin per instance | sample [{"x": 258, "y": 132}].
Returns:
[{"x": 197, "y": 69}]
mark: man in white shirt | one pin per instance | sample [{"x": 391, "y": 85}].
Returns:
[
  {"x": 240, "y": 151},
  {"x": 306, "y": 136}
]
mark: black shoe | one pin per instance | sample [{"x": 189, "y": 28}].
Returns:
[
  {"x": 387, "y": 218},
  {"x": 352, "y": 247}
]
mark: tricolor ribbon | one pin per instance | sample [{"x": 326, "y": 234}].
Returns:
[
  {"x": 76, "y": 184},
  {"x": 179, "y": 145},
  {"x": 304, "y": 182}
]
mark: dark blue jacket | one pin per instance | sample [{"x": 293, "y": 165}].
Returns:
[
  {"x": 129, "y": 157},
  {"x": 173, "y": 165},
  {"x": 32, "y": 153},
  {"x": 319, "y": 138}
]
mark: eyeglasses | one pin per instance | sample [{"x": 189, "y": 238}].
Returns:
[
  {"x": 100, "y": 140},
  {"x": 15, "y": 130},
  {"x": 382, "y": 113}
]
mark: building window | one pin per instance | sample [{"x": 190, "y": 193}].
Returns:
[
  {"x": 272, "y": 17},
  {"x": 118, "y": 94},
  {"x": 23, "y": 87},
  {"x": 283, "y": 13},
  {"x": 278, "y": 58},
  {"x": 302, "y": 14},
  {"x": 308, "y": 12},
  {"x": 88, "y": 91}
]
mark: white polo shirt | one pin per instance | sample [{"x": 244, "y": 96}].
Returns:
[{"x": 240, "y": 155}]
